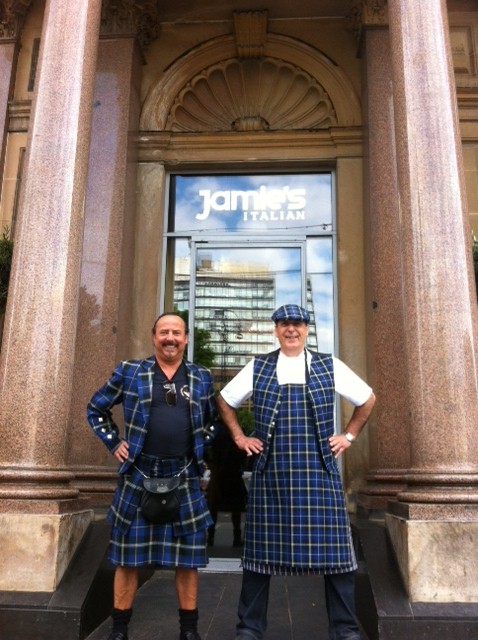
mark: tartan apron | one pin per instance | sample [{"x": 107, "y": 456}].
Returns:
[{"x": 296, "y": 518}]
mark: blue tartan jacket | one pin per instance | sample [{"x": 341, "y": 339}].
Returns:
[
  {"x": 131, "y": 384},
  {"x": 266, "y": 398}
]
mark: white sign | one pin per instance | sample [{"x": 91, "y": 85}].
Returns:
[{"x": 263, "y": 204}]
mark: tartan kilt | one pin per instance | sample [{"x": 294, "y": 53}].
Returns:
[{"x": 135, "y": 542}]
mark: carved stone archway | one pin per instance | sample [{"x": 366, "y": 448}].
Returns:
[
  {"x": 251, "y": 95},
  {"x": 288, "y": 85}
]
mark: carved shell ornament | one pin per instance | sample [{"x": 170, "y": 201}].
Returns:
[{"x": 251, "y": 95}]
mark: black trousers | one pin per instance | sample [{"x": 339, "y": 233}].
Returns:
[{"x": 339, "y": 599}]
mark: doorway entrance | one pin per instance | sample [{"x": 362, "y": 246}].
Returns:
[{"x": 238, "y": 246}]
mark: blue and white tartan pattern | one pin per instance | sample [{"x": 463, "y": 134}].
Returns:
[
  {"x": 296, "y": 518},
  {"x": 290, "y": 312},
  {"x": 181, "y": 543},
  {"x": 155, "y": 545},
  {"x": 131, "y": 384}
]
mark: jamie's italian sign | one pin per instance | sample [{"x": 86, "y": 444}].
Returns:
[{"x": 238, "y": 203}]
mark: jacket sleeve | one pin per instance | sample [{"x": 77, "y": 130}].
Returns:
[{"x": 98, "y": 411}]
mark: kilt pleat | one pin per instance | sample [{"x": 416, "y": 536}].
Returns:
[{"x": 296, "y": 518}]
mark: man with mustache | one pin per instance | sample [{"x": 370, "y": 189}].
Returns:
[
  {"x": 296, "y": 517},
  {"x": 167, "y": 404}
]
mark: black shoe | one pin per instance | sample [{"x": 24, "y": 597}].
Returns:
[
  {"x": 118, "y": 635},
  {"x": 189, "y": 635}
]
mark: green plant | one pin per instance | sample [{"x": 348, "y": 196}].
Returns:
[
  {"x": 245, "y": 416},
  {"x": 203, "y": 352},
  {"x": 6, "y": 253}
]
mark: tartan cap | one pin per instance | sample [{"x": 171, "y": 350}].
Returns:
[{"x": 291, "y": 312}]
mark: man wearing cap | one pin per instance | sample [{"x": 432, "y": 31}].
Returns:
[{"x": 296, "y": 519}]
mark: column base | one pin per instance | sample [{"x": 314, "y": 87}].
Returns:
[
  {"x": 382, "y": 486},
  {"x": 95, "y": 484},
  {"x": 36, "y": 549},
  {"x": 435, "y": 548},
  {"x": 383, "y": 606}
]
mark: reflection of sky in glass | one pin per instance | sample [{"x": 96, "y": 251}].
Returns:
[
  {"x": 283, "y": 263},
  {"x": 265, "y": 202},
  {"x": 319, "y": 273}
]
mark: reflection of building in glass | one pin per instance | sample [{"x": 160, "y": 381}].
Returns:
[{"x": 234, "y": 303}]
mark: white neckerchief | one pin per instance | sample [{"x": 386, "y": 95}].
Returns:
[{"x": 291, "y": 369}]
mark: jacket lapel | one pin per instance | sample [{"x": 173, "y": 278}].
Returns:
[{"x": 145, "y": 387}]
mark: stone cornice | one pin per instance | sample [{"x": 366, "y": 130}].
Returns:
[
  {"x": 138, "y": 18},
  {"x": 325, "y": 145},
  {"x": 19, "y": 115},
  {"x": 367, "y": 13},
  {"x": 12, "y": 17}
]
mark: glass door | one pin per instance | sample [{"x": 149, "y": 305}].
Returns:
[{"x": 236, "y": 290}]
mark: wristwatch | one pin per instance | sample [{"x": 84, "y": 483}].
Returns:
[{"x": 349, "y": 437}]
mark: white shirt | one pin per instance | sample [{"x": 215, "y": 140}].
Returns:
[{"x": 291, "y": 370}]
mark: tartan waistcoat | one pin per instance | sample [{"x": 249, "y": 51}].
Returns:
[{"x": 266, "y": 400}]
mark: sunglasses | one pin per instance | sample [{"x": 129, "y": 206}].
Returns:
[{"x": 170, "y": 388}]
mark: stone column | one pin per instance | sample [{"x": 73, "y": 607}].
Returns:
[
  {"x": 37, "y": 500},
  {"x": 104, "y": 315},
  {"x": 389, "y": 453},
  {"x": 148, "y": 260},
  {"x": 434, "y": 525}
]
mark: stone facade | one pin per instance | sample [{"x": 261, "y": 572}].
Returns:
[{"x": 102, "y": 99}]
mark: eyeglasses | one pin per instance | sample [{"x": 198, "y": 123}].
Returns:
[{"x": 170, "y": 388}]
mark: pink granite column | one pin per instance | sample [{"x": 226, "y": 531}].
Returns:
[
  {"x": 439, "y": 297},
  {"x": 104, "y": 316},
  {"x": 389, "y": 453},
  {"x": 39, "y": 338}
]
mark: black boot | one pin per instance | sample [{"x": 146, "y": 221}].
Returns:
[
  {"x": 188, "y": 624},
  {"x": 121, "y": 618}
]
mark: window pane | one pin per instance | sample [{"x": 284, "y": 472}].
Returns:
[{"x": 320, "y": 293}]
